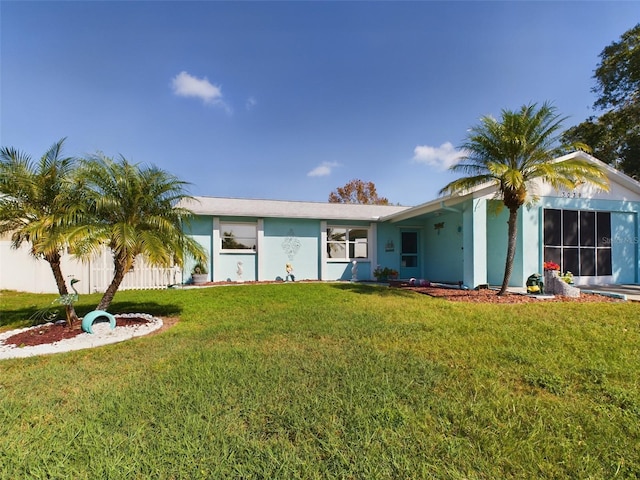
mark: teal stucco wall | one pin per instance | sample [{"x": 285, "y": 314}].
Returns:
[
  {"x": 624, "y": 232},
  {"x": 388, "y": 248},
  {"x": 444, "y": 248},
  {"x": 200, "y": 228},
  {"x": 291, "y": 241}
]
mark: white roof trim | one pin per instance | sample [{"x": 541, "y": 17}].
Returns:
[
  {"x": 447, "y": 202},
  {"x": 244, "y": 207}
]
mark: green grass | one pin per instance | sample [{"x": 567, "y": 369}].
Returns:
[{"x": 324, "y": 381}]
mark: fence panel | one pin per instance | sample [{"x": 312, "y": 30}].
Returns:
[{"x": 143, "y": 276}]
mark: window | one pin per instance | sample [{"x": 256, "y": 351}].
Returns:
[
  {"x": 578, "y": 241},
  {"x": 347, "y": 242},
  {"x": 238, "y": 236}
]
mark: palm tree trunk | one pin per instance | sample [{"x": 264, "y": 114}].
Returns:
[
  {"x": 110, "y": 292},
  {"x": 54, "y": 263},
  {"x": 511, "y": 249}
]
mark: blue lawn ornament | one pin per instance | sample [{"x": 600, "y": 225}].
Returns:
[{"x": 91, "y": 317}]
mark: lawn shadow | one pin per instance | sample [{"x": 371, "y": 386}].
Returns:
[
  {"x": 372, "y": 289},
  {"x": 36, "y": 315},
  {"x": 152, "y": 308},
  {"x": 20, "y": 317}
]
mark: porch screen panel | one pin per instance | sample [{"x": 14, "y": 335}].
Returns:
[
  {"x": 603, "y": 242},
  {"x": 604, "y": 229},
  {"x": 603, "y": 261},
  {"x": 571, "y": 260},
  {"x": 570, "y": 227},
  {"x": 552, "y": 227},
  {"x": 578, "y": 241},
  {"x": 587, "y": 229},
  {"x": 553, "y": 254},
  {"x": 588, "y": 262}
]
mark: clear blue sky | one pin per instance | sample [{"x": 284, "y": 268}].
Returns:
[{"x": 289, "y": 100}]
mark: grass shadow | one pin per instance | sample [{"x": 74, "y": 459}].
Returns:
[
  {"x": 35, "y": 315},
  {"x": 152, "y": 308},
  {"x": 20, "y": 317},
  {"x": 372, "y": 289}
]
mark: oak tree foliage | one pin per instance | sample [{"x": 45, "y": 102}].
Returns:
[
  {"x": 614, "y": 134},
  {"x": 357, "y": 191}
]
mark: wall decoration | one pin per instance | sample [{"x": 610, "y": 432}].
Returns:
[{"x": 291, "y": 245}]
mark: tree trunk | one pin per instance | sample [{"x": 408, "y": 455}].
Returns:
[
  {"x": 54, "y": 263},
  {"x": 511, "y": 249},
  {"x": 110, "y": 292}
]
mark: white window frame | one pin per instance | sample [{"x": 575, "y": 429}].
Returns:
[{"x": 346, "y": 243}]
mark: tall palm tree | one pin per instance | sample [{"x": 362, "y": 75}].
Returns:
[
  {"x": 37, "y": 206},
  {"x": 133, "y": 211},
  {"x": 514, "y": 151}
]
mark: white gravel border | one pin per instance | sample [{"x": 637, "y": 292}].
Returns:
[{"x": 102, "y": 335}]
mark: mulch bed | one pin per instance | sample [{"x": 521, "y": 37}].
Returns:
[
  {"x": 491, "y": 296},
  {"x": 458, "y": 295},
  {"x": 50, "y": 332}
]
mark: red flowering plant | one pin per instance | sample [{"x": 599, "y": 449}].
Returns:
[{"x": 551, "y": 266}]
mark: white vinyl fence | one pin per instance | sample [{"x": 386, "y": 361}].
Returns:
[
  {"x": 143, "y": 276},
  {"x": 20, "y": 271}
]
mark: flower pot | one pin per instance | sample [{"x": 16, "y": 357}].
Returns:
[{"x": 199, "y": 278}]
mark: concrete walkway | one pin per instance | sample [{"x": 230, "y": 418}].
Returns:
[{"x": 632, "y": 292}]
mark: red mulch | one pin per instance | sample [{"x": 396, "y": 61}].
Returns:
[
  {"x": 51, "y": 333},
  {"x": 458, "y": 295},
  {"x": 491, "y": 296}
]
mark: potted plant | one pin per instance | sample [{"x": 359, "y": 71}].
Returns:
[
  {"x": 567, "y": 277},
  {"x": 199, "y": 274},
  {"x": 551, "y": 267},
  {"x": 383, "y": 274}
]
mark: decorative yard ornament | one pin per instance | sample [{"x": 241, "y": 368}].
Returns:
[
  {"x": 69, "y": 298},
  {"x": 290, "y": 276},
  {"x": 50, "y": 313},
  {"x": 239, "y": 273}
]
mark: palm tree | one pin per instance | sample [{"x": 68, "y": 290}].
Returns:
[
  {"x": 37, "y": 206},
  {"x": 514, "y": 151},
  {"x": 133, "y": 210}
]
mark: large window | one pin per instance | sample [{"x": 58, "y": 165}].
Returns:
[
  {"x": 238, "y": 236},
  {"x": 579, "y": 241},
  {"x": 347, "y": 242}
]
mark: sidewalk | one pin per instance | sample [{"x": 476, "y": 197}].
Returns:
[{"x": 632, "y": 292}]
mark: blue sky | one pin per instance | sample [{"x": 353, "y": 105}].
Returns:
[{"x": 289, "y": 100}]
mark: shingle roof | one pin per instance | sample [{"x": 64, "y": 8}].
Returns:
[{"x": 244, "y": 207}]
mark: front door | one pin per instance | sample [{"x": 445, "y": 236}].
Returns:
[{"x": 409, "y": 255}]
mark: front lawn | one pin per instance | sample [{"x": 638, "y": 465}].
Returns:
[{"x": 324, "y": 381}]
